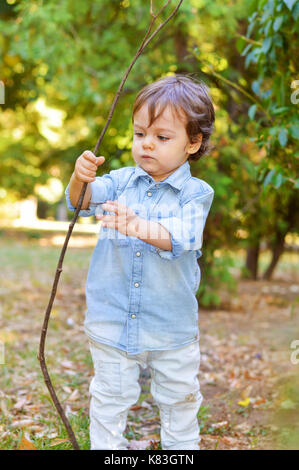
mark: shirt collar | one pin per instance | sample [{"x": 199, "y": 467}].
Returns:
[{"x": 177, "y": 179}]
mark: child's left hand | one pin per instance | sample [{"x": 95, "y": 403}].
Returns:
[{"x": 125, "y": 220}]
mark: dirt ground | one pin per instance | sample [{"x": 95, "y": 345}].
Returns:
[
  {"x": 249, "y": 384},
  {"x": 249, "y": 365}
]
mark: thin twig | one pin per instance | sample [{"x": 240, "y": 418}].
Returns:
[
  {"x": 237, "y": 87},
  {"x": 251, "y": 41},
  {"x": 41, "y": 355}
]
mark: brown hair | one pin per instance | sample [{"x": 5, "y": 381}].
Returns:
[{"x": 186, "y": 94}]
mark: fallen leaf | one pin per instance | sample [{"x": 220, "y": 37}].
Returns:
[
  {"x": 244, "y": 402},
  {"x": 219, "y": 425},
  {"x": 59, "y": 441},
  {"x": 259, "y": 401},
  {"x": 229, "y": 441},
  {"x": 153, "y": 436},
  {"x": 144, "y": 404},
  {"x": 244, "y": 427},
  {"x": 22, "y": 423},
  {"x": 20, "y": 403},
  {"x": 139, "y": 445},
  {"x": 69, "y": 411},
  {"x": 67, "y": 364},
  {"x": 154, "y": 445},
  {"x": 73, "y": 395},
  {"x": 4, "y": 408},
  {"x": 26, "y": 444}
]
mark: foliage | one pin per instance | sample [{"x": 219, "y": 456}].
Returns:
[
  {"x": 62, "y": 66},
  {"x": 271, "y": 46}
]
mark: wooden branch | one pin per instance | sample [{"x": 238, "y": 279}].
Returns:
[{"x": 41, "y": 354}]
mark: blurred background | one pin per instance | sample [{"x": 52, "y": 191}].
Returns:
[{"x": 61, "y": 65}]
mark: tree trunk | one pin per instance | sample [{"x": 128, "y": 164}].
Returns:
[
  {"x": 277, "y": 250},
  {"x": 252, "y": 258},
  {"x": 292, "y": 218}
]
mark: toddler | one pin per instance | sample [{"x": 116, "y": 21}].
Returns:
[{"x": 141, "y": 287}]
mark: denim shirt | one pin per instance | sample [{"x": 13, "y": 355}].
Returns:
[{"x": 140, "y": 297}]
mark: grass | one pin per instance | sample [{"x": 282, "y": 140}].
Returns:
[
  {"x": 27, "y": 275},
  {"x": 286, "y": 416},
  {"x": 26, "y": 280}
]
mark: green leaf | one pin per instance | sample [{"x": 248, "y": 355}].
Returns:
[
  {"x": 283, "y": 137},
  {"x": 266, "y": 94},
  {"x": 250, "y": 58},
  {"x": 256, "y": 87},
  {"x": 269, "y": 177},
  {"x": 278, "y": 180},
  {"x": 250, "y": 28},
  {"x": 252, "y": 111},
  {"x": 266, "y": 45},
  {"x": 279, "y": 7},
  {"x": 267, "y": 27},
  {"x": 280, "y": 110},
  {"x": 261, "y": 173},
  {"x": 253, "y": 16},
  {"x": 290, "y": 3},
  {"x": 295, "y": 13},
  {"x": 294, "y": 131},
  {"x": 273, "y": 131},
  {"x": 246, "y": 50},
  {"x": 277, "y": 23}
]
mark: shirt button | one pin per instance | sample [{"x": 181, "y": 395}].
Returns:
[
  {"x": 133, "y": 315},
  {"x": 138, "y": 253},
  {"x": 149, "y": 193},
  {"x": 136, "y": 284}
]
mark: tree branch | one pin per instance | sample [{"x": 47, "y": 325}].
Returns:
[{"x": 41, "y": 355}]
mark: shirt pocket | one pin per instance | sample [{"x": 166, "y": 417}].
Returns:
[
  {"x": 122, "y": 242},
  {"x": 157, "y": 214},
  {"x": 153, "y": 249}
]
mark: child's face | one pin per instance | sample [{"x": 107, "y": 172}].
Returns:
[{"x": 166, "y": 142}]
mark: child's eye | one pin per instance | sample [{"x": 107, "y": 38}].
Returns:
[{"x": 161, "y": 137}]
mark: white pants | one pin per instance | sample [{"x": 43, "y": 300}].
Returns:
[{"x": 174, "y": 387}]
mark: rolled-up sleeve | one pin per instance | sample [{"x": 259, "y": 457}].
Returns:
[
  {"x": 102, "y": 189},
  {"x": 186, "y": 227}
]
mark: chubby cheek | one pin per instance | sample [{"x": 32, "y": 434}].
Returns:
[{"x": 134, "y": 147}]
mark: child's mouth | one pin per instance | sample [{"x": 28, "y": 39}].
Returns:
[{"x": 146, "y": 156}]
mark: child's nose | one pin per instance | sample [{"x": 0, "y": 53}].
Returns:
[{"x": 147, "y": 142}]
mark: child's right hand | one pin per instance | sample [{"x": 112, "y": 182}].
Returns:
[{"x": 86, "y": 166}]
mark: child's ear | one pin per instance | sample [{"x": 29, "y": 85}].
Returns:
[{"x": 195, "y": 145}]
